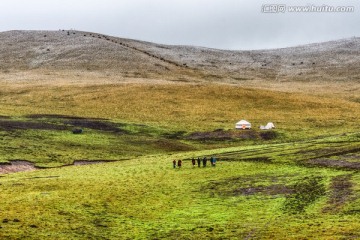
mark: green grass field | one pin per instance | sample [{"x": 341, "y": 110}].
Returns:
[
  {"x": 145, "y": 198},
  {"x": 300, "y": 181}
]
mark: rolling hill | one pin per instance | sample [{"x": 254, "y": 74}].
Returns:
[
  {"x": 68, "y": 50},
  {"x": 54, "y": 72}
]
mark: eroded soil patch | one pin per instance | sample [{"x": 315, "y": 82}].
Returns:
[
  {"x": 237, "y": 158},
  {"x": 349, "y": 159},
  {"x": 23, "y": 165},
  {"x": 275, "y": 189},
  {"x": 329, "y": 152},
  {"x": 340, "y": 164},
  {"x": 341, "y": 192},
  {"x": 170, "y": 145},
  {"x": 16, "y": 166},
  {"x": 89, "y": 162},
  {"x": 221, "y": 135},
  {"x": 249, "y": 185}
]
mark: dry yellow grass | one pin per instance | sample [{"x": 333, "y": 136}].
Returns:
[
  {"x": 179, "y": 106},
  {"x": 312, "y": 89}
]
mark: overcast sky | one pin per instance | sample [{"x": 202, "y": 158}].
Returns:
[{"x": 224, "y": 24}]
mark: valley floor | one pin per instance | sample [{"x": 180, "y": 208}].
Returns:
[{"x": 274, "y": 191}]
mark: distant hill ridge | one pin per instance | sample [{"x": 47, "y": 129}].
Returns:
[{"x": 69, "y": 50}]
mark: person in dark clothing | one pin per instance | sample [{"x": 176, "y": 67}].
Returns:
[
  {"x": 179, "y": 163},
  {"x": 199, "y": 162},
  {"x": 204, "y": 161},
  {"x": 174, "y": 163},
  {"x": 193, "y": 162},
  {"x": 212, "y": 161}
]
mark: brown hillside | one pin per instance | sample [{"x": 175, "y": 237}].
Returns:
[
  {"x": 88, "y": 52},
  {"x": 69, "y": 56},
  {"x": 78, "y": 51}
]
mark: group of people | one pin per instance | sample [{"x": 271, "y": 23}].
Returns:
[
  {"x": 179, "y": 163},
  {"x": 198, "y": 161}
]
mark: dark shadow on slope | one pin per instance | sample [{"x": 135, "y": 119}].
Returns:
[
  {"x": 221, "y": 135},
  {"x": 10, "y": 125},
  {"x": 56, "y": 116},
  {"x": 61, "y": 122},
  {"x": 95, "y": 125}
]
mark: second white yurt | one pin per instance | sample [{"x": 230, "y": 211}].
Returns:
[{"x": 268, "y": 126}]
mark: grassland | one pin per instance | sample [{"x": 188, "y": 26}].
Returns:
[
  {"x": 142, "y": 105},
  {"x": 132, "y": 119},
  {"x": 260, "y": 189},
  {"x": 183, "y": 106},
  {"x": 144, "y": 198}
]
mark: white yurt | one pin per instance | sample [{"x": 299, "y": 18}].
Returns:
[
  {"x": 268, "y": 126},
  {"x": 243, "y": 124}
]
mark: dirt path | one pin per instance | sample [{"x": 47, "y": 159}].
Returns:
[
  {"x": 24, "y": 166},
  {"x": 16, "y": 166}
]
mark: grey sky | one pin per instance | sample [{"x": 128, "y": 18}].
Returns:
[{"x": 225, "y": 24}]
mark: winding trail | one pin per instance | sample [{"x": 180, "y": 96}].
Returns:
[{"x": 117, "y": 41}]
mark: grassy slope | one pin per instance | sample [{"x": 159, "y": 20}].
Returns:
[
  {"x": 180, "y": 106},
  {"x": 145, "y": 198},
  {"x": 148, "y": 111}
]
